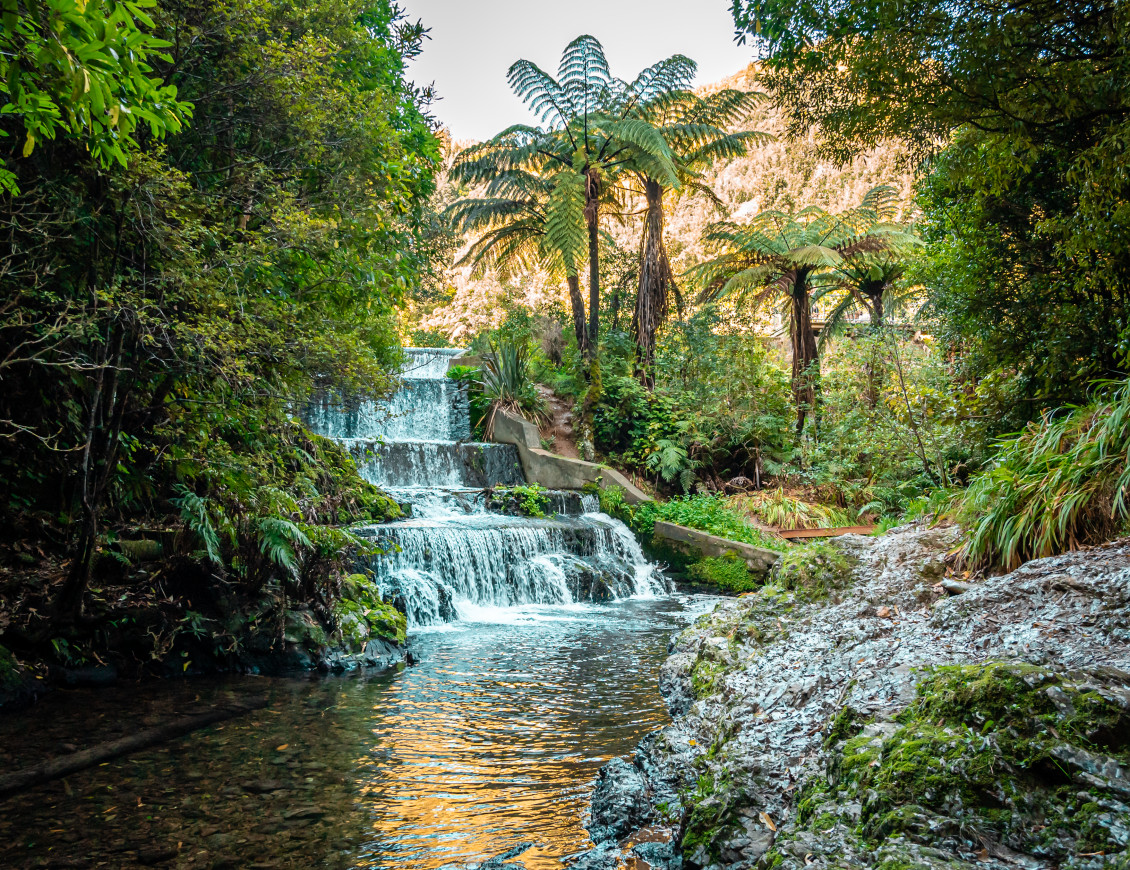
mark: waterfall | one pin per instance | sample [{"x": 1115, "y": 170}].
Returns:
[{"x": 453, "y": 556}]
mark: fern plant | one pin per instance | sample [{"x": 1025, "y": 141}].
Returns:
[{"x": 195, "y": 513}]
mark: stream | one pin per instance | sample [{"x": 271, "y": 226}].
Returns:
[
  {"x": 538, "y": 641},
  {"x": 493, "y": 739}
]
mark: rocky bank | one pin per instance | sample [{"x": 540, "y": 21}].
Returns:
[{"x": 855, "y": 714}]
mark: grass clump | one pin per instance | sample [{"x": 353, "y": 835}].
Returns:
[
  {"x": 775, "y": 508},
  {"x": 1058, "y": 485},
  {"x": 813, "y": 570},
  {"x": 727, "y": 573}
]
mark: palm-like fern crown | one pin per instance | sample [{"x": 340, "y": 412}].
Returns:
[
  {"x": 774, "y": 250},
  {"x": 534, "y": 177}
]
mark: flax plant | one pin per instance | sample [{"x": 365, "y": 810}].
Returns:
[{"x": 1059, "y": 485}]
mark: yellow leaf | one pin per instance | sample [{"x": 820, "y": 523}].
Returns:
[
  {"x": 29, "y": 145},
  {"x": 281, "y": 748},
  {"x": 768, "y": 822}
]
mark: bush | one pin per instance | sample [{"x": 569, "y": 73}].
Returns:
[{"x": 1058, "y": 485}]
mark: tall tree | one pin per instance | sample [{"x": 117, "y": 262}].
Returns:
[
  {"x": 777, "y": 255},
  {"x": 697, "y": 129},
  {"x": 510, "y": 219},
  {"x": 588, "y": 140}
]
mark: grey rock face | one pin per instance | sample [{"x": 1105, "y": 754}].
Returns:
[
  {"x": 620, "y": 802},
  {"x": 786, "y": 749}
]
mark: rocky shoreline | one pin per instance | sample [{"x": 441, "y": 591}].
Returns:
[{"x": 867, "y": 718}]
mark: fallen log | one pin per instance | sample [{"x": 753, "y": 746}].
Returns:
[{"x": 59, "y": 767}]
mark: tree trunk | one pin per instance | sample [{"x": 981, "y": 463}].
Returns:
[
  {"x": 874, "y": 302},
  {"x": 656, "y": 280},
  {"x": 577, "y": 302},
  {"x": 592, "y": 220},
  {"x": 806, "y": 362},
  {"x": 110, "y": 395}
]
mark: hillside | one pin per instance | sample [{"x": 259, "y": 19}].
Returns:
[{"x": 781, "y": 174}]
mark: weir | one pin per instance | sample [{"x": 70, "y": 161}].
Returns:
[{"x": 454, "y": 556}]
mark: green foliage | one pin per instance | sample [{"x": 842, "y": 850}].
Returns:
[
  {"x": 813, "y": 570},
  {"x": 84, "y": 70},
  {"x": 708, "y": 513},
  {"x": 1025, "y": 210},
  {"x": 1059, "y": 485},
  {"x": 727, "y": 573},
  {"x": 528, "y": 500},
  {"x": 720, "y": 399},
  {"x": 506, "y": 384},
  {"x": 173, "y": 311}
]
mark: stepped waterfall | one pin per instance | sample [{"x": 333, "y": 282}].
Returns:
[{"x": 453, "y": 557}]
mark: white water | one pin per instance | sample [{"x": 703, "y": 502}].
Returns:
[{"x": 454, "y": 559}]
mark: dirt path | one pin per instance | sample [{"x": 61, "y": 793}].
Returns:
[{"x": 560, "y": 427}]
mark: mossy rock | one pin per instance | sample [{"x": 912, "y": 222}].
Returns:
[
  {"x": 1006, "y": 752},
  {"x": 302, "y": 628},
  {"x": 361, "y": 615},
  {"x": 813, "y": 570},
  {"x": 726, "y": 573}
]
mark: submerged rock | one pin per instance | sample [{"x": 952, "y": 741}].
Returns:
[{"x": 886, "y": 723}]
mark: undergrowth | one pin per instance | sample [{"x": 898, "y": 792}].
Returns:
[{"x": 1058, "y": 485}]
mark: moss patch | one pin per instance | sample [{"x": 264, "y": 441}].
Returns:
[
  {"x": 726, "y": 573},
  {"x": 1003, "y": 752},
  {"x": 361, "y": 615},
  {"x": 813, "y": 571}
]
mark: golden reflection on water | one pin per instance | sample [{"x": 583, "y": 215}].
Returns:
[
  {"x": 493, "y": 740},
  {"x": 497, "y": 737}
]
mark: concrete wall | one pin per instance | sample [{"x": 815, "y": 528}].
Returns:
[
  {"x": 695, "y": 543},
  {"x": 557, "y": 472}
]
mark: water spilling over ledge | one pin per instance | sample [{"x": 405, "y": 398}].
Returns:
[{"x": 454, "y": 556}]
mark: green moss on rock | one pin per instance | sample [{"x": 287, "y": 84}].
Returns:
[
  {"x": 361, "y": 615},
  {"x": 1004, "y": 752},
  {"x": 726, "y": 573},
  {"x": 813, "y": 571}
]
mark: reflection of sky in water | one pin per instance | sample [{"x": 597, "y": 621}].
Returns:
[{"x": 492, "y": 740}]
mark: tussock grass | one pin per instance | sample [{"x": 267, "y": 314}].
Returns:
[
  {"x": 775, "y": 508},
  {"x": 1059, "y": 485}
]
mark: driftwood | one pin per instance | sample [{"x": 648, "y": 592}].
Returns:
[{"x": 58, "y": 767}]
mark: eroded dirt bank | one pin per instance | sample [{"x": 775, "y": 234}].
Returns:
[{"x": 866, "y": 718}]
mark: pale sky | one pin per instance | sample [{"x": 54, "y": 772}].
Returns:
[{"x": 473, "y": 43}]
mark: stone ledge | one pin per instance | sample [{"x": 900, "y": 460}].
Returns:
[
  {"x": 558, "y": 472},
  {"x": 693, "y": 542}
]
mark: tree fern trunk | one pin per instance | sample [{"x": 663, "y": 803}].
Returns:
[
  {"x": 592, "y": 220},
  {"x": 806, "y": 362},
  {"x": 577, "y": 302},
  {"x": 656, "y": 279}
]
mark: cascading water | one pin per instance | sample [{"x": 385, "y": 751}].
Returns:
[{"x": 454, "y": 557}]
